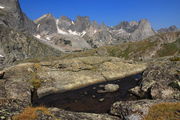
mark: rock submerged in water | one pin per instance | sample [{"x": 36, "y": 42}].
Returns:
[{"x": 109, "y": 88}]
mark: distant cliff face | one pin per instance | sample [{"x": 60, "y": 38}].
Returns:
[
  {"x": 12, "y": 16},
  {"x": 16, "y": 46},
  {"x": 142, "y": 31}
]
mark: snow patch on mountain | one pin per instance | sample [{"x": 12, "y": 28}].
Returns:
[
  {"x": 38, "y": 26},
  {"x": 1, "y": 7},
  {"x": 95, "y": 31},
  {"x": 48, "y": 38},
  {"x": 59, "y": 30},
  {"x": 38, "y": 36},
  {"x": 121, "y": 31},
  {"x": 73, "y": 32},
  {"x": 72, "y": 22},
  {"x": 1, "y": 56},
  {"x": 62, "y": 32},
  {"x": 83, "y": 33}
]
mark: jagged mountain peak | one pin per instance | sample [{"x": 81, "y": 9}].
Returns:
[
  {"x": 81, "y": 24},
  {"x": 45, "y": 17},
  {"x": 133, "y": 23},
  {"x": 13, "y": 17},
  {"x": 65, "y": 18},
  {"x": 172, "y": 28},
  {"x": 127, "y": 26},
  {"x": 82, "y": 18},
  {"x": 46, "y": 25},
  {"x": 144, "y": 23},
  {"x": 10, "y": 4},
  {"x": 97, "y": 34},
  {"x": 143, "y": 30}
]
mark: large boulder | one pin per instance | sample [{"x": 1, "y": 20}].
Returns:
[
  {"x": 42, "y": 113},
  {"x": 66, "y": 115},
  {"x": 135, "y": 110},
  {"x": 109, "y": 88},
  {"x": 160, "y": 80}
]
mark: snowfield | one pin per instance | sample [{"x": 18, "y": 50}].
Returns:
[
  {"x": 1, "y": 7},
  {"x": 1, "y": 55}
]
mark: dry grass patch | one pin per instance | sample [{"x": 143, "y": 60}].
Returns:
[
  {"x": 30, "y": 113},
  {"x": 164, "y": 111}
]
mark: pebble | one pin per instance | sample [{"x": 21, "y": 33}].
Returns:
[{"x": 101, "y": 100}]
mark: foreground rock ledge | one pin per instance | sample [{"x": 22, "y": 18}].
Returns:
[
  {"x": 11, "y": 108},
  {"x": 135, "y": 110},
  {"x": 67, "y": 74}
]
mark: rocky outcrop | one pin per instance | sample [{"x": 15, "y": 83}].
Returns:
[
  {"x": 12, "y": 16},
  {"x": 70, "y": 42},
  {"x": 135, "y": 110},
  {"x": 159, "y": 86},
  {"x": 2, "y": 58},
  {"x": 160, "y": 80},
  {"x": 172, "y": 28},
  {"x": 19, "y": 46},
  {"x": 11, "y": 107},
  {"x": 46, "y": 25},
  {"x": 81, "y": 24},
  {"x": 65, "y": 115},
  {"x": 144, "y": 30},
  {"x": 65, "y": 23},
  {"x": 127, "y": 26}
]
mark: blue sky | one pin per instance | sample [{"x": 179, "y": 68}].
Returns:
[{"x": 161, "y": 13}]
